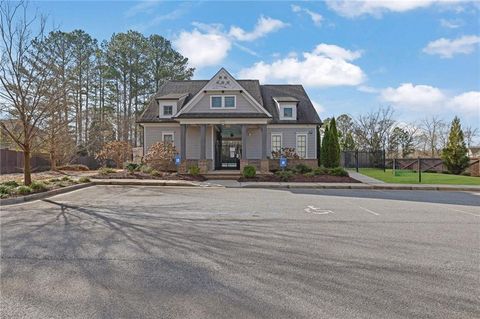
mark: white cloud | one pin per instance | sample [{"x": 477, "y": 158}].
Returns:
[
  {"x": 356, "y": 8},
  {"x": 413, "y": 97},
  {"x": 451, "y": 24},
  {"x": 447, "y": 48},
  {"x": 367, "y": 89},
  {"x": 317, "y": 18},
  {"x": 264, "y": 26},
  {"x": 318, "y": 107},
  {"x": 336, "y": 52},
  {"x": 425, "y": 98},
  {"x": 326, "y": 65},
  {"x": 467, "y": 103},
  {"x": 141, "y": 7},
  {"x": 203, "y": 49}
]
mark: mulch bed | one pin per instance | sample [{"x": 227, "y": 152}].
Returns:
[
  {"x": 140, "y": 175},
  {"x": 302, "y": 179}
]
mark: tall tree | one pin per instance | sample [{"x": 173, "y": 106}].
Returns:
[
  {"x": 24, "y": 76},
  {"x": 455, "y": 154},
  {"x": 372, "y": 129}
]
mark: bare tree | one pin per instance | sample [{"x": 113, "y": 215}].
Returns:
[
  {"x": 470, "y": 134},
  {"x": 24, "y": 77},
  {"x": 433, "y": 133},
  {"x": 373, "y": 128}
]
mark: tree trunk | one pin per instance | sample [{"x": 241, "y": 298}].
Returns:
[{"x": 27, "y": 170}]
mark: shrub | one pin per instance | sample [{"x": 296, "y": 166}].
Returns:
[
  {"x": 53, "y": 180},
  {"x": 73, "y": 167},
  {"x": 302, "y": 168},
  {"x": 321, "y": 171},
  {"x": 38, "y": 186},
  {"x": 288, "y": 152},
  {"x": 309, "y": 174},
  {"x": 160, "y": 155},
  {"x": 146, "y": 169},
  {"x": 338, "y": 171},
  {"x": 119, "y": 151},
  {"x": 284, "y": 175},
  {"x": 132, "y": 167},
  {"x": 106, "y": 171},
  {"x": 66, "y": 179},
  {"x": 194, "y": 170},
  {"x": 84, "y": 179},
  {"x": 5, "y": 190},
  {"x": 249, "y": 171},
  {"x": 10, "y": 183},
  {"x": 23, "y": 190},
  {"x": 155, "y": 173}
]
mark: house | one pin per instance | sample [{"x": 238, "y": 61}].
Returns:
[{"x": 225, "y": 123}]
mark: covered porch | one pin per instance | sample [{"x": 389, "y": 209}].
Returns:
[{"x": 223, "y": 145}]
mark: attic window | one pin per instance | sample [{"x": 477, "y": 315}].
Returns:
[{"x": 288, "y": 112}]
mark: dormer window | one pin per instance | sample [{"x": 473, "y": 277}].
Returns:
[
  {"x": 288, "y": 112},
  {"x": 167, "y": 110},
  {"x": 222, "y": 102}
]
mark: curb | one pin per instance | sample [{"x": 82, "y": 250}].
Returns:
[
  {"x": 142, "y": 183},
  {"x": 368, "y": 187},
  {"x": 28, "y": 198}
]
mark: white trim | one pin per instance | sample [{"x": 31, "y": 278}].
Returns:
[
  {"x": 162, "y": 111},
  {"x": 222, "y": 102},
  {"x": 223, "y": 121},
  {"x": 306, "y": 143},
  {"x": 200, "y": 94},
  {"x": 282, "y": 108},
  {"x": 211, "y": 102},
  {"x": 271, "y": 139},
  {"x": 168, "y": 133},
  {"x": 161, "y": 124},
  {"x": 304, "y": 126},
  {"x": 234, "y": 102}
]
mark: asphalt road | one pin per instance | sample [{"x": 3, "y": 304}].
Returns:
[{"x": 157, "y": 252}]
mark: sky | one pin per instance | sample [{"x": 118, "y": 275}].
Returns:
[{"x": 421, "y": 57}]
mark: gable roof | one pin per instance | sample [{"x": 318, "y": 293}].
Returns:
[{"x": 263, "y": 94}]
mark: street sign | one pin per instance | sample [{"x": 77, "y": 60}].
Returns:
[
  {"x": 177, "y": 159},
  {"x": 283, "y": 162}
]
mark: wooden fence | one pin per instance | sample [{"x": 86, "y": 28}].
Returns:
[{"x": 12, "y": 162}]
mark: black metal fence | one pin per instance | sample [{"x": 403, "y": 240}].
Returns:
[{"x": 363, "y": 159}]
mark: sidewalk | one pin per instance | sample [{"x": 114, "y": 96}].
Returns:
[{"x": 364, "y": 178}]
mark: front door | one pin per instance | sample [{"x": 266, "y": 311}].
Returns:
[{"x": 228, "y": 150}]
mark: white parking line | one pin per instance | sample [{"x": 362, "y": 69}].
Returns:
[
  {"x": 369, "y": 211},
  {"x": 317, "y": 211},
  {"x": 461, "y": 211}
]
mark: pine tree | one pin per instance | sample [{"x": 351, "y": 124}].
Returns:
[
  {"x": 334, "y": 147},
  {"x": 455, "y": 154},
  {"x": 325, "y": 141}
]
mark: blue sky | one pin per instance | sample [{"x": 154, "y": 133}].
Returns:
[{"x": 420, "y": 56}]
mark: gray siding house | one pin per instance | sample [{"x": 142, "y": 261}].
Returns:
[{"x": 225, "y": 123}]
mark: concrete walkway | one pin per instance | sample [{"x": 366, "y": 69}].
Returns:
[{"x": 364, "y": 178}]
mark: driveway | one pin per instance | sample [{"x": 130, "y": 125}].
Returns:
[{"x": 159, "y": 252}]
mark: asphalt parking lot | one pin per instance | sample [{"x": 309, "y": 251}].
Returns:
[{"x": 159, "y": 252}]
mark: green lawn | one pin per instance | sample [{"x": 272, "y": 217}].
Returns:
[{"x": 427, "y": 178}]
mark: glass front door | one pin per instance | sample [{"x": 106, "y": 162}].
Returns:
[{"x": 228, "y": 150}]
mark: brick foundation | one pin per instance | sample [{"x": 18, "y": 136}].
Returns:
[{"x": 274, "y": 164}]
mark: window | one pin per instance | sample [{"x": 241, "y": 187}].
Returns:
[
  {"x": 167, "y": 137},
  {"x": 167, "y": 110},
  {"x": 287, "y": 112},
  {"x": 216, "y": 101},
  {"x": 229, "y": 101},
  {"x": 276, "y": 142},
  {"x": 301, "y": 148}
]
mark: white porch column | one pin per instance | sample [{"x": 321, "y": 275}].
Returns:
[
  {"x": 263, "y": 129},
  {"x": 183, "y": 141},
  {"x": 244, "y": 142},
  {"x": 203, "y": 129}
]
